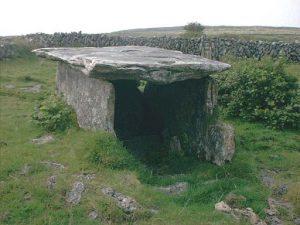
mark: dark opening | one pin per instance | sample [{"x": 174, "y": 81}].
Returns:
[
  {"x": 164, "y": 118},
  {"x": 133, "y": 114},
  {"x": 136, "y": 123}
]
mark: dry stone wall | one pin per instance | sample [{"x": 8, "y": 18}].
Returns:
[
  {"x": 213, "y": 48},
  {"x": 8, "y": 50}
]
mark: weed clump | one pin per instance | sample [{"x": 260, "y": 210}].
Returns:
[{"x": 53, "y": 115}]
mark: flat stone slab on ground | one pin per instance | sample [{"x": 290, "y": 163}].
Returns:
[
  {"x": 32, "y": 89},
  {"x": 54, "y": 165},
  {"x": 93, "y": 215},
  {"x": 43, "y": 140},
  {"x": 126, "y": 203},
  {"x": 244, "y": 213},
  {"x": 10, "y": 86},
  {"x": 51, "y": 182},
  {"x": 74, "y": 196},
  {"x": 25, "y": 169},
  {"x": 175, "y": 189},
  {"x": 135, "y": 63},
  {"x": 297, "y": 221}
]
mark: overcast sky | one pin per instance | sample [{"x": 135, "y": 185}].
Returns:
[{"x": 98, "y": 16}]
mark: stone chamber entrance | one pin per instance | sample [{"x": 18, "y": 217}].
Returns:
[{"x": 173, "y": 116}]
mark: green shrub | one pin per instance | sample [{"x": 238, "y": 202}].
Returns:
[
  {"x": 53, "y": 115},
  {"x": 260, "y": 91},
  {"x": 193, "y": 30},
  {"x": 109, "y": 152}
]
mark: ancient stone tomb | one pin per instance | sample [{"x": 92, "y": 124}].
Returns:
[{"x": 176, "y": 101}]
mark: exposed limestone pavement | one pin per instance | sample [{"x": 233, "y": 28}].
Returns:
[
  {"x": 51, "y": 182},
  {"x": 53, "y": 165},
  {"x": 240, "y": 214},
  {"x": 126, "y": 203},
  {"x": 79, "y": 186},
  {"x": 177, "y": 188},
  {"x": 276, "y": 201},
  {"x": 74, "y": 196}
]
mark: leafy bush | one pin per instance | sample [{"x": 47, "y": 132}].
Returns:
[
  {"x": 193, "y": 29},
  {"x": 109, "y": 152},
  {"x": 53, "y": 115},
  {"x": 260, "y": 91}
]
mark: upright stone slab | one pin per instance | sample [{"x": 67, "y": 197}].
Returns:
[
  {"x": 92, "y": 99},
  {"x": 185, "y": 112},
  {"x": 178, "y": 103}
]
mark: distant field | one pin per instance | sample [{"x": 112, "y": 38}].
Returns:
[{"x": 289, "y": 34}]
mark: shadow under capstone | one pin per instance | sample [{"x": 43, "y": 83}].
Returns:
[{"x": 149, "y": 122}]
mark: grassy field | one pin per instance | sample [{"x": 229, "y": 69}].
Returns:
[
  {"x": 288, "y": 34},
  {"x": 24, "y": 198}
]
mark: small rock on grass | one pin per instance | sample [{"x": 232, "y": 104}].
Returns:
[
  {"x": 154, "y": 211},
  {"x": 247, "y": 214},
  {"x": 297, "y": 221},
  {"x": 25, "y": 169},
  {"x": 54, "y": 165},
  {"x": 43, "y": 140},
  {"x": 51, "y": 182},
  {"x": 127, "y": 204},
  {"x": 93, "y": 215},
  {"x": 10, "y": 86},
  {"x": 74, "y": 196},
  {"x": 27, "y": 196},
  {"x": 273, "y": 215},
  {"x": 274, "y": 220},
  {"x": 222, "y": 207},
  {"x": 175, "y": 189},
  {"x": 282, "y": 189},
  {"x": 234, "y": 200},
  {"x": 85, "y": 177},
  {"x": 267, "y": 177},
  {"x": 32, "y": 89}
]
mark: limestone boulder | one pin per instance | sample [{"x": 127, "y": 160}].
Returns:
[{"x": 220, "y": 145}]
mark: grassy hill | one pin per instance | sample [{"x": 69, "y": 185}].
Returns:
[
  {"x": 25, "y": 198},
  {"x": 245, "y": 33}
]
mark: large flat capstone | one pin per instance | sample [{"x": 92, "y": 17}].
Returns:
[{"x": 155, "y": 65}]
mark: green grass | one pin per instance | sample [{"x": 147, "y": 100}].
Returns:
[{"x": 24, "y": 199}]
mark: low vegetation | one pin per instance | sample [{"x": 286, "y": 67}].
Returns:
[
  {"x": 193, "y": 30},
  {"x": 260, "y": 91},
  {"x": 53, "y": 114},
  {"x": 25, "y": 199}
]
